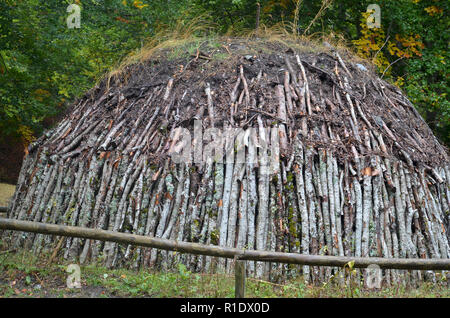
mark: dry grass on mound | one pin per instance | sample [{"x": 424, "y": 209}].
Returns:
[{"x": 193, "y": 35}]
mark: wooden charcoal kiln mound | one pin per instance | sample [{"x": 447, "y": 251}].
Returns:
[{"x": 359, "y": 171}]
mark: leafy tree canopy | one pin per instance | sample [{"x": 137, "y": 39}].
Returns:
[{"x": 44, "y": 65}]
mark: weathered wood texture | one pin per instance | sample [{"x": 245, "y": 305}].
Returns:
[{"x": 239, "y": 278}]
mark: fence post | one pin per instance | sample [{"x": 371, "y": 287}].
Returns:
[{"x": 239, "y": 273}]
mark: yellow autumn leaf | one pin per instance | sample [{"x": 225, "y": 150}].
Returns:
[
  {"x": 26, "y": 134},
  {"x": 350, "y": 265},
  {"x": 139, "y": 4},
  {"x": 406, "y": 46},
  {"x": 433, "y": 10},
  {"x": 374, "y": 46},
  {"x": 399, "y": 82}
]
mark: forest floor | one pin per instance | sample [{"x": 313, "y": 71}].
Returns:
[{"x": 25, "y": 275}]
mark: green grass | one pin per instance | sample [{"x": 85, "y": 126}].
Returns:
[
  {"x": 6, "y": 192},
  {"x": 22, "y": 274},
  {"x": 212, "y": 46}
]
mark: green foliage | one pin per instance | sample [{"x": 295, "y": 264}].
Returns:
[
  {"x": 227, "y": 14},
  {"x": 44, "y": 65}
]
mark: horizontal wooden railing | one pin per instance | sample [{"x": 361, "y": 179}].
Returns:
[
  {"x": 217, "y": 251},
  {"x": 226, "y": 252}
]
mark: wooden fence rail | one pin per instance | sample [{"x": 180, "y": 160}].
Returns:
[{"x": 226, "y": 252}]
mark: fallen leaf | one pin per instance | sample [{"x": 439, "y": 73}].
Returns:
[{"x": 367, "y": 171}]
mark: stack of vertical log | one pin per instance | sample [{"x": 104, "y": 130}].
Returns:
[{"x": 359, "y": 171}]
